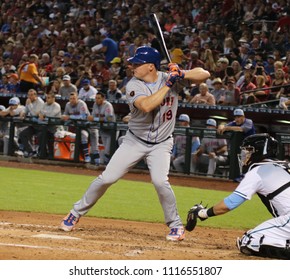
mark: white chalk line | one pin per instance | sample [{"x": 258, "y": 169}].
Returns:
[
  {"x": 51, "y": 248},
  {"x": 27, "y": 225}
]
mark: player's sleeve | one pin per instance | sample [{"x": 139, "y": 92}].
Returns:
[
  {"x": 234, "y": 200},
  {"x": 247, "y": 125},
  {"x": 134, "y": 89},
  {"x": 195, "y": 145}
]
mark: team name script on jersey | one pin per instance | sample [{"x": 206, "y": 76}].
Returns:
[{"x": 167, "y": 101}]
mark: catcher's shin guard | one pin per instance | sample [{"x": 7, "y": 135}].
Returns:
[{"x": 267, "y": 251}]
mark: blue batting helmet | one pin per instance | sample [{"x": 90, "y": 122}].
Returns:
[{"x": 144, "y": 55}]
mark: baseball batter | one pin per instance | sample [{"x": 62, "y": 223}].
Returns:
[
  {"x": 270, "y": 179},
  {"x": 153, "y": 98}
]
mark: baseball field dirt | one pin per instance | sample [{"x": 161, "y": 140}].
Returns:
[{"x": 35, "y": 236}]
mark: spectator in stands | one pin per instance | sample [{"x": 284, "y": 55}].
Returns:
[
  {"x": 232, "y": 93},
  {"x": 8, "y": 68},
  {"x": 279, "y": 80},
  {"x": 58, "y": 74},
  {"x": 116, "y": 69},
  {"x": 211, "y": 153},
  {"x": 240, "y": 124},
  {"x": 223, "y": 63},
  {"x": 67, "y": 88},
  {"x": 238, "y": 72},
  {"x": 101, "y": 74},
  {"x": 262, "y": 94},
  {"x": 108, "y": 47},
  {"x": 194, "y": 61},
  {"x": 285, "y": 104},
  {"x": 103, "y": 111},
  {"x": 246, "y": 88},
  {"x": 76, "y": 109},
  {"x": 204, "y": 97},
  {"x": 218, "y": 91},
  {"x": 45, "y": 65},
  {"x": 71, "y": 71},
  {"x": 179, "y": 146},
  {"x": 127, "y": 78},
  {"x": 209, "y": 62},
  {"x": 29, "y": 76},
  {"x": 177, "y": 54},
  {"x": 87, "y": 92},
  {"x": 4, "y": 84},
  {"x": 33, "y": 106},
  {"x": 54, "y": 86},
  {"x": 113, "y": 93},
  {"x": 269, "y": 67},
  {"x": 13, "y": 84},
  {"x": 244, "y": 53}
]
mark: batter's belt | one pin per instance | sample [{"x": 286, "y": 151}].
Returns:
[{"x": 147, "y": 142}]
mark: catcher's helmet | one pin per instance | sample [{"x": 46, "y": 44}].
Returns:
[
  {"x": 146, "y": 54},
  {"x": 255, "y": 148}
]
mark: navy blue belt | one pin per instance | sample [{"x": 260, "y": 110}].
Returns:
[{"x": 147, "y": 142}]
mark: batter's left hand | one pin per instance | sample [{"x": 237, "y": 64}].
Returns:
[
  {"x": 173, "y": 67},
  {"x": 173, "y": 77}
]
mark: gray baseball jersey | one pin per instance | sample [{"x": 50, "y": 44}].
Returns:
[
  {"x": 33, "y": 109},
  {"x": 106, "y": 110},
  {"x": 210, "y": 145},
  {"x": 51, "y": 110},
  {"x": 16, "y": 112},
  {"x": 80, "y": 109},
  {"x": 157, "y": 125}
]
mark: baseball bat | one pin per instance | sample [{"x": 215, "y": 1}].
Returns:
[{"x": 158, "y": 33}]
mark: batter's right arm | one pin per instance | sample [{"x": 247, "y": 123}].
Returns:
[
  {"x": 197, "y": 75},
  {"x": 148, "y": 103}
]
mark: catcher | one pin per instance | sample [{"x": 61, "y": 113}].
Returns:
[{"x": 270, "y": 179}]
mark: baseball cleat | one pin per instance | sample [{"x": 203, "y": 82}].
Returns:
[
  {"x": 242, "y": 248},
  {"x": 87, "y": 159},
  {"x": 68, "y": 223},
  {"x": 176, "y": 234}
]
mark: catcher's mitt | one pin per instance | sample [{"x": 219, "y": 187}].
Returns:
[{"x": 192, "y": 216}]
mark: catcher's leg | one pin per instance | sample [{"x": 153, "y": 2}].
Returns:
[{"x": 271, "y": 239}]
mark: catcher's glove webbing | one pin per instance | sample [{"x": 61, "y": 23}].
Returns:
[{"x": 192, "y": 216}]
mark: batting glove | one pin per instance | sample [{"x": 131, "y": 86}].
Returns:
[
  {"x": 173, "y": 77},
  {"x": 172, "y": 67}
]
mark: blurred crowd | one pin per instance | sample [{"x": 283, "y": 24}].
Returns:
[{"x": 244, "y": 44}]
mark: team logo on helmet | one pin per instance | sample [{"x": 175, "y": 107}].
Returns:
[{"x": 132, "y": 93}]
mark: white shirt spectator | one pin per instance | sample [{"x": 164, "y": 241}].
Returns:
[{"x": 87, "y": 91}]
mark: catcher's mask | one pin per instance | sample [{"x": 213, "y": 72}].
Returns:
[{"x": 255, "y": 148}]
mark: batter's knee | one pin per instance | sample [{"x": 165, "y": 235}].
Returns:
[{"x": 160, "y": 182}]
